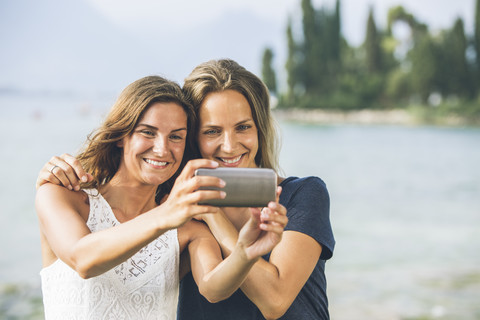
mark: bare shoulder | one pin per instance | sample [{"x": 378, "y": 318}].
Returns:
[{"x": 50, "y": 195}]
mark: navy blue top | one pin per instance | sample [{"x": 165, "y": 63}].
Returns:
[{"x": 308, "y": 206}]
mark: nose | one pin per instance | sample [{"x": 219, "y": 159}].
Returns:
[
  {"x": 229, "y": 142},
  {"x": 160, "y": 146}
]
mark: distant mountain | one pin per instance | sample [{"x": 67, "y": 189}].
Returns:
[{"x": 67, "y": 45}]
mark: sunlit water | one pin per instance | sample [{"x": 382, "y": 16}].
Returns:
[{"x": 405, "y": 208}]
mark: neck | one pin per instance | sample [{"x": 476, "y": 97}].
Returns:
[
  {"x": 238, "y": 216},
  {"x": 128, "y": 200}
]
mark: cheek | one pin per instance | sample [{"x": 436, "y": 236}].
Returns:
[
  {"x": 178, "y": 150},
  {"x": 205, "y": 147},
  {"x": 252, "y": 141}
]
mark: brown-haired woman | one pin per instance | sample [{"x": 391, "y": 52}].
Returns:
[{"x": 111, "y": 251}]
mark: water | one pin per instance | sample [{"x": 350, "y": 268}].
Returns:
[{"x": 405, "y": 208}]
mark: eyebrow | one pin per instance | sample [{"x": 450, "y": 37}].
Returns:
[
  {"x": 156, "y": 129},
  {"x": 239, "y": 122}
]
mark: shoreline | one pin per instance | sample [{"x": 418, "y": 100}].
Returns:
[{"x": 401, "y": 117}]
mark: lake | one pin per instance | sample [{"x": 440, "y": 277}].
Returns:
[{"x": 405, "y": 208}]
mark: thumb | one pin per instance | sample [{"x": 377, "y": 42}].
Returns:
[{"x": 255, "y": 216}]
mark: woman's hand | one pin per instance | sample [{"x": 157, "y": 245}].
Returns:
[
  {"x": 182, "y": 202},
  {"x": 65, "y": 171},
  {"x": 264, "y": 229}
]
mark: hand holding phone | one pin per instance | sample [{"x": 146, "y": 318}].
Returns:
[{"x": 245, "y": 187}]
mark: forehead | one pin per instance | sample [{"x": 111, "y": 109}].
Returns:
[
  {"x": 164, "y": 114},
  {"x": 228, "y": 105}
]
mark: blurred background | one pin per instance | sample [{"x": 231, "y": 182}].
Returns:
[{"x": 377, "y": 97}]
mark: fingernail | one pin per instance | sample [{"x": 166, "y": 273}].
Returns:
[
  {"x": 222, "y": 183},
  {"x": 223, "y": 194},
  {"x": 69, "y": 187},
  {"x": 84, "y": 179},
  {"x": 77, "y": 188},
  {"x": 214, "y": 163}
]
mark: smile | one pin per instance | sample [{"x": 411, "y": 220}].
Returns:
[
  {"x": 156, "y": 163},
  {"x": 231, "y": 160}
]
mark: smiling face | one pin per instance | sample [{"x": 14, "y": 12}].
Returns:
[
  {"x": 154, "y": 150},
  {"x": 227, "y": 132}
]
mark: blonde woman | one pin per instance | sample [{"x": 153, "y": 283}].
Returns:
[{"x": 113, "y": 249}]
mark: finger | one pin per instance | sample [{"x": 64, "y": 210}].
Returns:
[
  {"x": 76, "y": 166},
  {"x": 272, "y": 228},
  {"x": 206, "y": 182},
  {"x": 204, "y": 209},
  {"x": 278, "y": 193},
  {"x": 205, "y": 195},
  {"x": 52, "y": 172},
  {"x": 59, "y": 173},
  {"x": 192, "y": 165},
  {"x": 277, "y": 220},
  {"x": 277, "y": 208},
  {"x": 64, "y": 172},
  {"x": 272, "y": 217},
  {"x": 46, "y": 177}
]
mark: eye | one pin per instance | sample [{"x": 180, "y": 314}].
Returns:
[
  {"x": 211, "y": 132},
  {"x": 243, "y": 127},
  {"x": 177, "y": 137},
  {"x": 147, "y": 133}
]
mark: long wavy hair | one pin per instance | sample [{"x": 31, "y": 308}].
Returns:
[
  {"x": 226, "y": 74},
  {"x": 101, "y": 155}
]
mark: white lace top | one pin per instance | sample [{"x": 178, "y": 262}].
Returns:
[{"x": 143, "y": 287}]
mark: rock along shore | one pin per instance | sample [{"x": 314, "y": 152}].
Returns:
[{"x": 362, "y": 117}]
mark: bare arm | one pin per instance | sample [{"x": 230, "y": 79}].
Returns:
[
  {"x": 62, "y": 220},
  {"x": 63, "y": 215},
  {"x": 272, "y": 285},
  {"x": 225, "y": 277}
]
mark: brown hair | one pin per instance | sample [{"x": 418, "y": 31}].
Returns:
[
  {"x": 101, "y": 156},
  {"x": 225, "y": 74}
]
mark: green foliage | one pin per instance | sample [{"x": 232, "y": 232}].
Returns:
[
  {"x": 477, "y": 41},
  {"x": 268, "y": 74},
  {"x": 324, "y": 71},
  {"x": 373, "y": 46}
]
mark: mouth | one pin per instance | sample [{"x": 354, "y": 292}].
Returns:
[
  {"x": 230, "y": 162},
  {"x": 159, "y": 164}
]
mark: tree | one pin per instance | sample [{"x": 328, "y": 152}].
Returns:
[
  {"x": 268, "y": 74},
  {"x": 291, "y": 64},
  {"x": 373, "y": 51},
  {"x": 477, "y": 39},
  {"x": 456, "y": 73},
  {"x": 309, "y": 66}
]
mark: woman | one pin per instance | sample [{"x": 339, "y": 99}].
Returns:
[
  {"x": 111, "y": 251},
  {"x": 236, "y": 130}
]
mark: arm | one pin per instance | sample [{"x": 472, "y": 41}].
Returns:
[
  {"x": 225, "y": 277},
  {"x": 62, "y": 216},
  {"x": 272, "y": 285}
]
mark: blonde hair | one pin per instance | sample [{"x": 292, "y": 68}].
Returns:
[
  {"x": 225, "y": 74},
  {"x": 101, "y": 155}
]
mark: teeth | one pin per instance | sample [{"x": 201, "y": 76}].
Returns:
[
  {"x": 156, "y": 163},
  {"x": 231, "y": 160}
]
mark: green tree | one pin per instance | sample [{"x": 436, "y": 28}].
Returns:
[
  {"x": 310, "y": 65},
  {"x": 455, "y": 72},
  {"x": 291, "y": 64},
  {"x": 373, "y": 51},
  {"x": 477, "y": 40},
  {"x": 268, "y": 73}
]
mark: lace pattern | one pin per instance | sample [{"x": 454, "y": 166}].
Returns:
[{"x": 143, "y": 287}]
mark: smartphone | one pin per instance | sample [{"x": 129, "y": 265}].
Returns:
[{"x": 245, "y": 187}]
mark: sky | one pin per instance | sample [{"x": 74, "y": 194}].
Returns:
[{"x": 103, "y": 45}]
